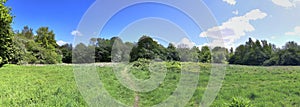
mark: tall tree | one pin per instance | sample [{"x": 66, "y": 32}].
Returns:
[
  {"x": 66, "y": 51},
  {"x": 172, "y": 54},
  {"x": 220, "y": 55},
  {"x": 290, "y": 54},
  {"x": 6, "y": 34},
  {"x": 46, "y": 38},
  {"x": 83, "y": 54},
  {"x": 103, "y": 50},
  {"x": 27, "y": 32},
  {"x": 205, "y": 55},
  {"x": 146, "y": 48}
]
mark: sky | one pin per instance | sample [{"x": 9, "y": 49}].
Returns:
[{"x": 235, "y": 20}]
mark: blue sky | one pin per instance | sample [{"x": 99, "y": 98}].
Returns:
[{"x": 274, "y": 20}]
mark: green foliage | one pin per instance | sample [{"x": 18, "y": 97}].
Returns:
[
  {"x": 205, "y": 55},
  {"x": 220, "y": 55},
  {"x": 83, "y": 54},
  {"x": 239, "y": 102},
  {"x": 146, "y": 48},
  {"x": 142, "y": 64},
  {"x": 30, "y": 50},
  {"x": 6, "y": 34},
  {"x": 172, "y": 54},
  {"x": 262, "y": 53},
  {"x": 66, "y": 51},
  {"x": 290, "y": 54},
  {"x": 103, "y": 50},
  {"x": 46, "y": 38}
]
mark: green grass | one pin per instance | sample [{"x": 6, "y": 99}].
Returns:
[
  {"x": 38, "y": 86},
  {"x": 55, "y": 85}
]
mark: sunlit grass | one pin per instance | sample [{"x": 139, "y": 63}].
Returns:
[{"x": 54, "y": 85}]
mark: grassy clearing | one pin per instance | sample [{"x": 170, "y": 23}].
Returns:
[
  {"x": 55, "y": 86},
  {"x": 38, "y": 86}
]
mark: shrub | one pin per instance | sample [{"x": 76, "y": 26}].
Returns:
[
  {"x": 173, "y": 65},
  {"x": 239, "y": 102},
  {"x": 142, "y": 64}
]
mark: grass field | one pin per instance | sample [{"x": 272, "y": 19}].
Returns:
[{"x": 54, "y": 85}]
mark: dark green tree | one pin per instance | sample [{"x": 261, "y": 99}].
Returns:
[
  {"x": 46, "y": 38},
  {"x": 66, "y": 51},
  {"x": 172, "y": 54},
  {"x": 205, "y": 55},
  {"x": 83, "y": 54},
  {"x": 290, "y": 54},
  {"x": 6, "y": 34},
  {"x": 146, "y": 48},
  {"x": 103, "y": 50}
]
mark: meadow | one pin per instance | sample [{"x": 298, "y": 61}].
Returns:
[{"x": 55, "y": 85}]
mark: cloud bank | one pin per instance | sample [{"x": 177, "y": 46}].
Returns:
[{"x": 233, "y": 29}]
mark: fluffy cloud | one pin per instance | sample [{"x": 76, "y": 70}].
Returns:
[
  {"x": 185, "y": 42},
  {"x": 296, "y": 32},
  {"x": 233, "y": 29},
  {"x": 285, "y": 3},
  {"x": 76, "y": 33},
  {"x": 60, "y": 42},
  {"x": 231, "y": 2}
]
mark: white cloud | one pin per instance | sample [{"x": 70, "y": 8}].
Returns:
[
  {"x": 296, "y": 32},
  {"x": 285, "y": 3},
  {"x": 60, "y": 42},
  {"x": 233, "y": 29},
  {"x": 231, "y": 2},
  {"x": 236, "y": 12},
  {"x": 186, "y": 42},
  {"x": 76, "y": 33}
]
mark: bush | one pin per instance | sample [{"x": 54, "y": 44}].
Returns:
[
  {"x": 239, "y": 102},
  {"x": 142, "y": 64},
  {"x": 173, "y": 65},
  {"x": 271, "y": 62},
  {"x": 0, "y": 61}
]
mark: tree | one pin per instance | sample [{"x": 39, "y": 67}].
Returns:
[
  {"x": 252, "y": 53},
  {"x": 118, "y": 50},
  {"x": 205, "y": 55},
  {"x": 83, "y": 54},
  {"x": 66, "y": 51},
  {"x": 184, "y": 53},
  {"x": 239, "y": 53},
  {"x": 103, "y": 50},
  {"x": 146, "y": 48},
  {"x": 46, "y": 38},
  {"x": 27, "y": 32},
  {"x": 6, "y": 34},
  {"x": 290, "y": 54},
  {"x": 220, "y": 55},
  {"x": 195, "y": 53},
  {"x": 172, "y": 54},
  {"x": 49, "y": 51}
]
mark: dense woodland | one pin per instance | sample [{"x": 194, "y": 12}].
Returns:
[{"x": 25, "y": 47}]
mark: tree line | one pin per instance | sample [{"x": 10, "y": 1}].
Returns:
[
  {"x": 259, "y": 53},
  {"x": 41, "y": 48},
  {"x": 267, "y": 54},
  {"x": 115, "y": 50}
]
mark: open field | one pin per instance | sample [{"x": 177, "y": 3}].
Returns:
[{"x": 54, "y": 85}]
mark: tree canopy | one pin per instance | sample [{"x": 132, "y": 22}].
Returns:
[{"x": 6, "y": 34}]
